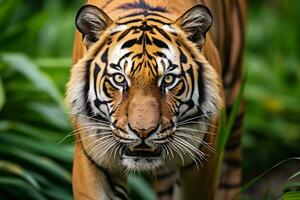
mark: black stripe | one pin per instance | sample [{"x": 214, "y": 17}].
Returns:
[
  {"x": 129, "y": 43},
  {"x": 165, "y": 175},
  {"x": 157, "y": 20},
  {"x": 229, "y": 185},
  {"x": 238, "y": 63},
  {"x": 104, "y": 56},
  {"x": 200, "y": 84},
  {"x": 162, "y": 32},
  {"x": 107, "y": 3},
  {"x": 129, "y": 21},
  {"x": 123, "y": 34},
  {"x": 178, "y": 182},
  {"x": 88, "y": 108},
  {"x": 182, "y": 89},
  {"x": 227, "y": 42},
  {"x": 183, "y": 58},
  {"x": 169, "y": 191},
  {"x": 238, "y": 122},
  {"x": 143, "y": 13},
  {"x": 233, "y": 163},
  {"x": 158, "y": 15},
  {"x": 190, "y": 72},
  {"x": 141, "y": 4},
  {"x": 96, "y": 72},
  {"x": 160, "y": 43},
  {"x": 232, "y": 146}
]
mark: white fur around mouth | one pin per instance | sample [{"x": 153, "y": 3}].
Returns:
[{"x": 141, "y": 163}]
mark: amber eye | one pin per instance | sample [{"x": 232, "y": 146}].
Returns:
[
  {"x": 169, "y": 79},
  {"x": 119, "y": 78}
]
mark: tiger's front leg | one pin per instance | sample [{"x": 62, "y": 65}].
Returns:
[
  {"x": 191, "y": 181},
  {"x": 91, "y": 181}
]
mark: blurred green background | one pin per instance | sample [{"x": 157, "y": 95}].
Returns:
[{"x": 36, "y": 39}]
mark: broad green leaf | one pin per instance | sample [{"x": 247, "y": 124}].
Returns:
[
  {"x": 54, "y": 62},
  {"x": 26, "y": 188},
  {"x": 141, "y": 187},
  {"x": 19, "y": 171},
  {"x": 266, "y": 194},
  {"x": 292, "y": 195},
  {"x": 32, "y": 131},
  {"x": 57, "y": 194},
  {"x": 227, "y": 125},
  {"x": 253, "y": 181},
  {"x": 2, "y": 94},
  {"x": 291, "y": 186},
  {"x": 6, "y": 9},
  {"x": 294, "y": 175},
  {"x": 43, "y": 163},
  {"x": 42, "y": 147},
  {"x": 26, "y": 67},
  {"x": 52, "y": 114}
]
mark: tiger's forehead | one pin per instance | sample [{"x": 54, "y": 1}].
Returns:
[{"x": 146, "y": 44}]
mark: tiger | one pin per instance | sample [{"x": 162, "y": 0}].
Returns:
[{"x": 147, "y": 87}]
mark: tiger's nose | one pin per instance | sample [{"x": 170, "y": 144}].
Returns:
[
  {"x": 143, "y": 133},
  {"x": 143, "y": 115}
]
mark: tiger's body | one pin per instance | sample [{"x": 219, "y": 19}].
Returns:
[{"x": 146, "y": 90}]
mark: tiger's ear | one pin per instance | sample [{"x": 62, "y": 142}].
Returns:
[
  {"x": 91, "y": 22},
  {"x": 196, "y": 22}
]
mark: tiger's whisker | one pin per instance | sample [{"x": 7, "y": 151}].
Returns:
[
  {"x": 81, "y": 115},
  {"x": 196, "y": 122},
  {"x": 194, "y": 138},
  {"x": 194, "y": 130},
  {"x": 197, "y": 117},
  {"x": 90, "y": 128},
  {"x": 92, "y": 135}
]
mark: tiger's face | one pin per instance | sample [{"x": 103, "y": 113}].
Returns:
[{"x": 142, "y": 80}]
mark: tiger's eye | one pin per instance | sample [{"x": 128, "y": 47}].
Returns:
[
  {"x": 118, "y": 78},
  {"x": 168, "y": 79}
]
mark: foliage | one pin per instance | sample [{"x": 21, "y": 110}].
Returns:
[
  {"x": 35, "y": 56},
  {"x": 273, "y": 88},
  {"x": 32, "y": 115}
]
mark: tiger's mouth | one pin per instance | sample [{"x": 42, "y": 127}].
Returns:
[
  {"x": 141, "y": 157},
  {"x": 139, "y": 152}
]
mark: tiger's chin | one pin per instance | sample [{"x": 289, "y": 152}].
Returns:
[
  {"x": 141, "y": 163},
  {"x": 141, "y": 160}
]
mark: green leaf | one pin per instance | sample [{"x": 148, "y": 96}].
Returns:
[
  {"x": 250, "y": 183},
  {"x": 294, "y": 175},
  {"x": 54, "y": 62},
  {"x": 52, "y": 114},
  {"x": 292, "y": 195},
  {"x": 141, "y": 187},
  {"x": 26, "y": 67},
  {"x": 6, "y": 9},
  {"x": 57, "y": 194},
  {"x": 19, "y": 171},
  {"x": 266, "y": 194},
  {"x": 2, "y": 94},
  {"x": 42, "y": 147},
  {"x": 226, "y": 127},
  {"x": 26, "y": 188},
  {"x": 31, "y": 131},
  {"x": 43, "y": 163},
  {"x": 291, "y": 186}
]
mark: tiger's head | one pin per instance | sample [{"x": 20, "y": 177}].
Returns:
[{"x": 143, "y": 95}]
